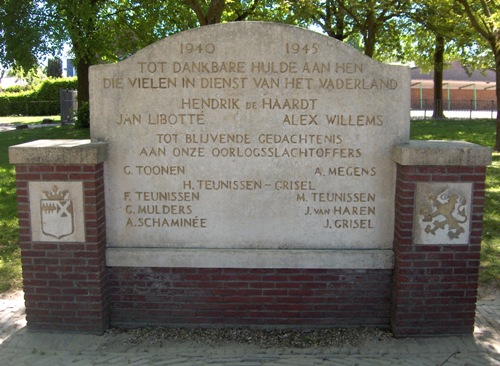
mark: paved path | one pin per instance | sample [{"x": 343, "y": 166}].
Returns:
[
  {"x": 14, "y": 126},
  {"x": 18, "y": 346},
  {"x": 7, "y": 127}
]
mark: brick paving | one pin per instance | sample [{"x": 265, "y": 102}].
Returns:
[{"x": 18, "y": 346}]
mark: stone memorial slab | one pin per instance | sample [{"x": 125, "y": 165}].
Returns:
[{"x": 250, "y": 136}]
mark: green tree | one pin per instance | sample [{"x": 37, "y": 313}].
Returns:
[
  {"x": 328, "y": 15},
  {"x": 484, "y": 17},
  {"x": 207, "y": 12},
  {"x": 80, "y": 21},
  {"x": 216, "y": 11},
  {"x": 130, "y": 26},
  {"x": 25, "y": 33},
  {"x": 97, "y": 30},
  {"x": 372, "y": 18},
  {"x": 433, "y": 39},
  {"x": 365, "y": 24}
]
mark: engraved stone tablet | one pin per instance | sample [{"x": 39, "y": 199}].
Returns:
[
  {"x": 442, "y": 213},
  {"x": 57, "y": 211},
  {"x": 250, "y": 135}
]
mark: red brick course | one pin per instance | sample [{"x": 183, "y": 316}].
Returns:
[{"x": 249, "y": 297}]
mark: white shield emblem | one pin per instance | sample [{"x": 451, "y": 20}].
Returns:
[{"x": 57, "y": 214}]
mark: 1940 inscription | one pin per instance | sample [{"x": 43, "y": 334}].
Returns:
[{"x": 284, "y": 142}]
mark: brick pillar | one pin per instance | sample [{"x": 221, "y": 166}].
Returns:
[
  {"x": 62, "y": 228},
  {"x": 438, "y": 227}
]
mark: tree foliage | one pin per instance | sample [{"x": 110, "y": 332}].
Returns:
[
  {"x": 28, "y": 33},
  {"x": 97, "y": 30},
  {"x": 372, "y": 18},
  {"x": 429, "y": 32},
  {"x": 207, "y": 12},
  {"x": 216, "y": 11},
  {"x": 484, "y": 17},
  {"x": 327, "y": 15},
  {"x": 364, "y": 24}
]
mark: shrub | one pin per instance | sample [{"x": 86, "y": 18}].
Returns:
[
  {"x": 49, "y": 89},
  {"x": 41, "y": 101},
  {"x": 83, "y": 116},
  {"x": 17, "y": 88},
  {"x": 14, "y": 104}
]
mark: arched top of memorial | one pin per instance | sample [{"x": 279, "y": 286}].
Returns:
[{"x": 251, "y": 39}]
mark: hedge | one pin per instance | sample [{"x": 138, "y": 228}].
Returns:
[{"x": 41, "y": 101}]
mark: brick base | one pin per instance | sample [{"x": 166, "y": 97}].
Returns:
[
  {"x": 435, "y": 286},
  {"x": 65, "y": 283},
  {"x": 191, "y": 297},
  {"x": 431, "y": 291}
]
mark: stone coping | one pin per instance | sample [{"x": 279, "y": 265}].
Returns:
[
  {"x": 249, "y": 258},
  {"x": 59, "y": 152},
  {"x": 440, "y": 152}
]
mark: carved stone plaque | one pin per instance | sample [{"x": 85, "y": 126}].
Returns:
[
  {"x": 442, "y": 213},
  {"x": 56, "y": 210}
]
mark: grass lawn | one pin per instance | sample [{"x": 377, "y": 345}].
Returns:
[
  {"x": 29, "y": 119},
  {"x": 476, "y": 131}
]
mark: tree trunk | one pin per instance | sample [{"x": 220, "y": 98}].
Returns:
[
  {"x": 497, "y": 66},
  {"x": 438, "y": 78},
  {"x": 335, "y": 13},
  {"x": 213, "y": 14},
  {"x": 83, "y": 81},
  {"x": 370, "y": 41},
  {"x": 370, "y": 31},
  {"x": 339, "y": 25}
]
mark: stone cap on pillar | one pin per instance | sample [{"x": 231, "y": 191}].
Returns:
[
  {"x": 59, "y": 152},
  {"x": 441, "y": 152}
]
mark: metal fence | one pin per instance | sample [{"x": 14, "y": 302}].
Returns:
[{"x": 423, "y": 108}]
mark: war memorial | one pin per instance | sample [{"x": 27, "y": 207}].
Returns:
[{"x": 250, "y": 175}]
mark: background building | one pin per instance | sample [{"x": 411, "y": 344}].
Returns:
[{"x": 461, "y": 91}]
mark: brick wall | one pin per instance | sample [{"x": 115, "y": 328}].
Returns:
[
  {"x": 249, "y": 297},
  {"x": 432, "y": 289},
  {"x": 435, "y": 286},
  {"x": 65, "y": 283}
]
